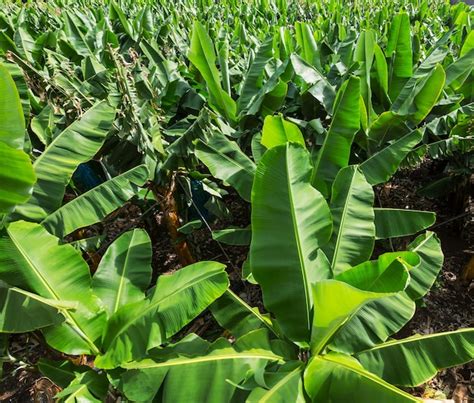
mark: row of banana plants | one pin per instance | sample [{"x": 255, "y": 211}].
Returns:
[{"x": 301, "y": 121}]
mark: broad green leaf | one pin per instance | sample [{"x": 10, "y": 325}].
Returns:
[
  {"x": 203, "y": 57},
  {"x": 335, "y": 303},
  {"x": 460, "y": 70},
  {"x": 16, "y": 177},
  {"x": 235, "y": 315},
  {"x": 21, "y": 311},
  {"x": 306, "y": 42},
  {"x": 97, "y": 203},
  {"x": 393, "y": 223},
  {"x": 338, "y": 378},
  {"x": 211, "y": 375},
  {"x": 353, "y": 235},
  {"x": 12, "y": 121},
  {"x": 277, "y": 131},
  {"x": 384, "y": 128},
  {"x": 386, "y": 274},
  {"x": 364, "y": 54},
  {"x": 428, "y": 248},
  {"x": 335, "y": 151},
  {"x": 374, "y": 323},
  {"x": 319, "y": 86},
  {"x": 78, "y": 143},
  {"x": 227, "y": 162},
  {"x": 124, "y": 273},
  {"x": 381, "y": 72},
  {"x": 88, "y": 386},
  {"x": 286, "y": 385},
  {"x": 290, "y": 221},
  {"x": 399, "y": 47},
  {"x": 254, "y": 76},
  {"x": 32, "y": 259},
  {"x": 62, "y": 373},
  {"x": 414, "y": 360},
  {"x": 233, "y": 236},
  {"x": 423, "y": 96},
  {"x": 175, "y": 301},
  {"x": 381, "y": 166}
]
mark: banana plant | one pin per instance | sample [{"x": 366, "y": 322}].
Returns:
[
  {"x": 331, "y": 311},
  {"x": 115, "y": 315}
]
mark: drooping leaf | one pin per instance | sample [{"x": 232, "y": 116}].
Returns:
[
  {"x": 21, "y": 311},
  {"x": 285, "y": 385},
  {"x": 334, "y": 303},
  {"x": 227, "y": 162},
  {"x": 177, "y": 299},
  {"x": 233, "y": 236},
  {"x": 393, "y": 223},
  {"x": 416, "y": 359},
  {"x": 54, "y": 167},
  {"x": 383, "y": 164},
  {"x": 97, "y": 203},
  {"x": 428, "y": 247},
  {"x": 32, "y": 259},
  {"x": 335, "y": 377},
  {"x": 206, "y": 370},
  {"x": 235, "y": 315}
]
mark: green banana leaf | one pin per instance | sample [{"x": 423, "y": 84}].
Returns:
[
  {"x": 124, "y": 273},
  {"x": 16, "y": 177},
  {"x": 374, "y": 323},
  {"x": 203, "y": 57},
  {"x": 382, "y": 275},
  {"x": 290, "y": 221},
  {"x": 364, "y": 54},
  {"x": 32, "y": 259},
  {"x": 175, "y": 301},
  {"x": 393, "y": 223},
  {"x": 416, "y": 359},
  {"x": 335, "y": 151},
  {"x": 420, "y": 95},
  {"x": 21, "y": 311},
  {"x": 97, "y": 203},
  {"x": 285, "y": 385},
  {"x": 78, "y": 143},
  {"x": 211, "y": 371},
  {"x": 277, "y": 131},
  {"x": 254, "y": 76},
  {"x": 399, "y": 47},
  {"x": 12, "y": 128},
  {"x": 334, "y": 303},
  {"x": 227, "y": 162},
  {"x": 353, "y": 235},
  {"x": 341, "y": 378},
  {"x": 233, "y": 236},
  {"x": 305, "y": 40},
  {"x": 235, "y": 315},
  {"x": 428, "y": 247},
  {"x": 88, "y": 386},
  {"x": 382, "y": 165},
  {"x": 319, "y": 86}
]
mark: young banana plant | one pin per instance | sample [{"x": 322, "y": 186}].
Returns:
[{"x": 331, "y": 311}]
